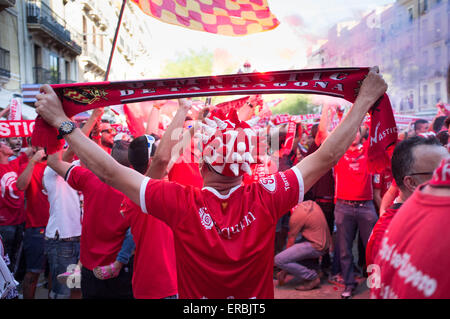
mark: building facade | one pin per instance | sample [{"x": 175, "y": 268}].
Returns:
[
  {"x": 409, "y": 40},
  {"x": 67, "y": 41}
]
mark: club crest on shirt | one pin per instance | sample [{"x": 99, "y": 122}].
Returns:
[
  {"x": 205, "y": 218},
  {"x": 269, "y": 183}
]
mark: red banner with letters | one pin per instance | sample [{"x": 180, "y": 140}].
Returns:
[
  {"x": 16, "y": 128},
  {"x": 338, "y": 82}
]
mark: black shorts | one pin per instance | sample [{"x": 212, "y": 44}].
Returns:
[{"x": 114, "y": 288}]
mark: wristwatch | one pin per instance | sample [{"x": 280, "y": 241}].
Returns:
[{"x": 65, "y": 128}]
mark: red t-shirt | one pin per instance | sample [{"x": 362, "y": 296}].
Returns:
[
  {"x": 413, "y": 255},
  {"x": 224, "y": 243},
  {"x": 103, "y": 227},
  {"x": 12, "y": 210},
  {"x": 186, "y": 170},
  {"x": 37, "y": 205},
  {"x": 383, "y": 181},
  {"x": 154, "y": 274},
  {"x": 353, "y": 181},
  {"x": 378, "y": 231}
]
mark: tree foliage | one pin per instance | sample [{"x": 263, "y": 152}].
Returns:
[
  {"x": 294, "y": 104},
  {"x": 194, "y": 63}
]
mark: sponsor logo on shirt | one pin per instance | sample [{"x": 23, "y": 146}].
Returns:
[
  {"x": 205, "y": 218},
  {"x": 7, "y": 181},
  {"x": 285, "y": 181},
  {"x": 269, "y": 183},
  {"x": 228, "y": 232}
]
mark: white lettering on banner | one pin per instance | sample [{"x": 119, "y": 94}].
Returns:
[
  {"x": 322, "y": 84},
  {"x": 339, "y": 76},
  {"x": 126, "y": 92},
  {"x": 4, "y": 129},
  {"x": 244, "y": 223},
  {"x": 16, "y": 128},
  {"x": 406, "y": 270},
  {"x": 378, "y": 137}
]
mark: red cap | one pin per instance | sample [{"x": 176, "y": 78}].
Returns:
[{"x": 441, "y": 176}]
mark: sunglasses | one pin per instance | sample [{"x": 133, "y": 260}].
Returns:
[
  {"x": 109, "y": 131},
  {"x": 150, "y": 141}
]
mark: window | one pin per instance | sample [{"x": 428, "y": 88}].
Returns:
[
  {"x": 425, "y": 95},
  {"x": 425, "y": 58},
  {"x": 411, "y": 101},
  {"x": 425, "y": 5},
  {"x": 67, "y": 70},
  {"x": 410, "y": 15},
  {"x": 84, "y": 33},
  {"x": 54, "y": 68},
  {"x": 93, "y": 35},
  {"x": 437, "y": 56},
  {"x": 437, "y": 89}
]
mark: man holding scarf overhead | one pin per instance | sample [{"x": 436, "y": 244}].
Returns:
[{"x": 224, "y": 233}]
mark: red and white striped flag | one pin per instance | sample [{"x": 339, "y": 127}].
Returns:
[{"x": 225, "y": 17}]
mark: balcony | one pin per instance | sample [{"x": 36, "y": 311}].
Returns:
[
  {"x": 93, "y": 58},
  {"x": 91, "y": 8},
  {"x": 42, "y": 21},
  {"x": 42, "y": 76},
  {"x": 5, "y": 68},
  {"x": 6, "y": 4}
]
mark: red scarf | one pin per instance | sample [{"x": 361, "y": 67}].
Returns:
[{"x": 339, "y": 82}]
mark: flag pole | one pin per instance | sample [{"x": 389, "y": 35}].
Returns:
[{"x": 108, "y": 68}]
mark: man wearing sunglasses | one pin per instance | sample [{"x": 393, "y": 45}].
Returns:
[
  {"x": 413, "y": 163},
  {"x": 107, "y": 134}
]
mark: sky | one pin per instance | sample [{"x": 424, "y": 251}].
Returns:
[{"x": 302, "y": 24}]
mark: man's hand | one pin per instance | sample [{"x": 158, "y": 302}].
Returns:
[
  {"x": 185, "y": 103},
  {"x": 98, "y": 113},
  {"x": 49, "y": 107},
  {"x": 372, "y": 88},
  {"x": 38, "y": 156}
]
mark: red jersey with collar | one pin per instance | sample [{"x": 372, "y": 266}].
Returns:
[
  {"x": 378, "y": 231},
  {"x": 12, "y": 210},
  {"x": 224, "y": 244},
  {"x": 353, "y": 181},
  {"x": 103, "y": 227},
  {"x": 37, "y": 205},
  {"x": 383, "y": 181},
  {"x": 154, "y": 273},
  {"x": 413, "y": 256}
]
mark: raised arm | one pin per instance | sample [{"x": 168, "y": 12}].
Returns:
[
  {"x": 153, "y": 118},
  {"x": 324, "y": 124},
  {"x": 337, "y": 143},
  {"x": 60, "y": 166},
  {"x": 122, "y": 178},
  {"x": 171, "y": 137},
  {"x": 25, "y": 177},
  {"x": 86, "y": 129}
]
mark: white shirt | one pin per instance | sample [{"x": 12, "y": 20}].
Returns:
[{"x": 65, "y": 211}]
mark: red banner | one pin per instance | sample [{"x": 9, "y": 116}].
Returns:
[
  {"x": 16, "y": 128},
  {"x": 15, "y": 110}
]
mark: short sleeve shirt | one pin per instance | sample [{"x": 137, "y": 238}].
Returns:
[{"x": 225, "y": 242}]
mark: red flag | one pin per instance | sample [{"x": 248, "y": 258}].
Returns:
[{"x": 225, "y": 17}]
